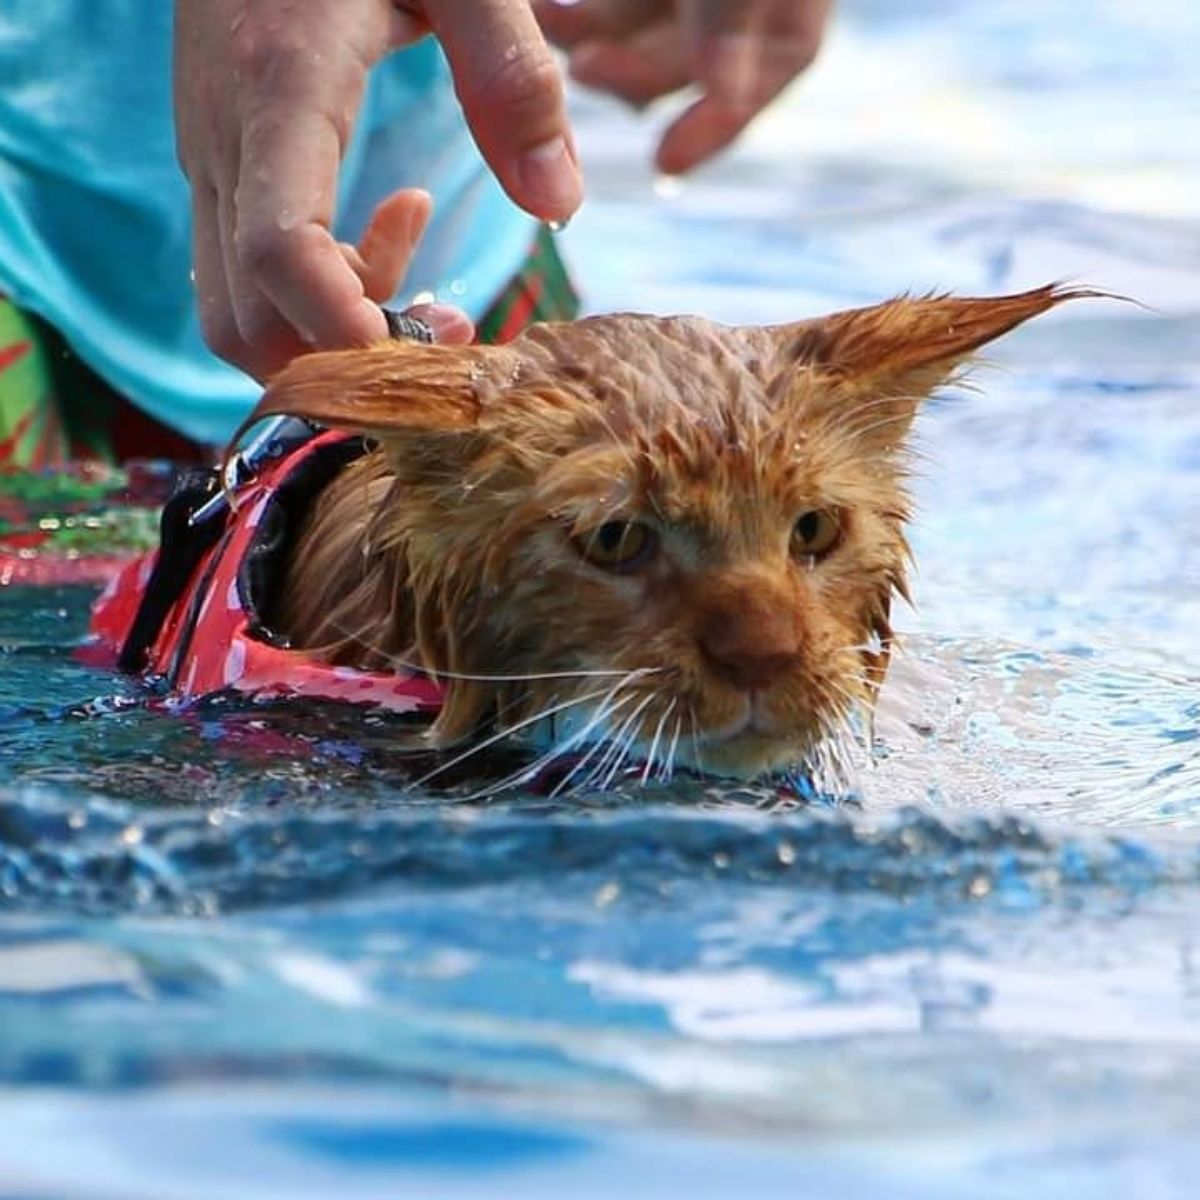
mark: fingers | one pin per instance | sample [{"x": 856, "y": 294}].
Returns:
[
  {"x": 382, "y": 257},
  {"x": 725, "y": 43},
  {"x": 262, "y": 120},
  {"x": 208, "y": 276},
  {"x": 451, "y": 326},
  {"x": 741, "y": 53},
  {"x": 639, "y": 71},
  {"x": 263, "y": 342},
  {"x": 704, "y": 130},
  {"x": 512, "y": 94},
  {"x": 284, "y": 210},
  {"x": 745, "y": 60},
  {"x": 571, "y": 24}
]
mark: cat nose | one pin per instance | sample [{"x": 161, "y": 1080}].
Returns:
[{"x": 750, "y": 646}]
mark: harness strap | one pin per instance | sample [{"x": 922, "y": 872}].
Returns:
[
  {"x": 197, "y": 515},
  {"x": 182, "y": 546}
]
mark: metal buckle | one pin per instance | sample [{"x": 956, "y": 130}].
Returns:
[{"x": 282, "y": 434}]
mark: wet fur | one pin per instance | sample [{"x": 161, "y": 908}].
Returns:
[{"x": 455, "y": 545}]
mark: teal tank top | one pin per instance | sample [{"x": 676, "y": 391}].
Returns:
[{"x": 95, "y": 229}]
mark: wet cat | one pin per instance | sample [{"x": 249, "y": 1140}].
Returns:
[{"x": 670, "y": 536}]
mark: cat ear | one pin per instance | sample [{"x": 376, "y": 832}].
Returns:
[
  {"x": 393, "y": 387},
  {"x": 901, "y": 350}
]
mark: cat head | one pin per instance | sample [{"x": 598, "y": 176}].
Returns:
[{"x": 675, "y": 536}]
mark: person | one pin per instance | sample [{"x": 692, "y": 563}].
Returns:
[{"x": 311, "y": 137}]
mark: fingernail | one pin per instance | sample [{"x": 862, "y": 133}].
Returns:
[
  {"x": 449, "y": 324},
  {"x": 550, "y": 182}
]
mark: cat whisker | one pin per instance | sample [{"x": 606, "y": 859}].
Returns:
[
  {"x": 594, "y": 756},
  {"x": 669, "y": 759},
  {"x": 669, "y": 765},
  {"x": 662, "y": 721},
  {"x": 525, "y": 775},
  {"x": 525, "y": 723},
  {"x": 532, "y": 770},
  {"x": 836, "y": 765},
  {"x": 611, "y": 748},
  {"x": 618, "y": 763},
  {"x": 861, "y": 647},
  {"x": 597, "y": 720},
  {"x": 841, "y": 701},
  {"x": 696, "y": 754},
  {"x": 396, "y": 660},
  {"x": 626, "y": 739},
  {"x": 858, "y": 682},
  {"x": 611, "y": 705},
  {"x": 564, "y": 786},
  {"x": 532, "y": 677}
]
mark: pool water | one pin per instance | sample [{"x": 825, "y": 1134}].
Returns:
[{"x": 241, "y": 956}]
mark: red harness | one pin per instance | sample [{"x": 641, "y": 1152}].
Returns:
[
  {"x": 212, "y": 636},
  {"x": 192, "y": 612}
]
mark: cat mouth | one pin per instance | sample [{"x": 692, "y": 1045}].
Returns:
[
  {"x": 752, "y": 722},
  {"x": 742, "y": 744},
  {"x": 748, "y": 745}
]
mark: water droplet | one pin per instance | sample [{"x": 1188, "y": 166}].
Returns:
[
  {"x": 721, "y": 860},
  {"x": 786, "y": 853},
  {"x": 132, "y": 835},
  {"x": 459, "y": 287},
  {"x": 606, "y": 894},
  {"x": 667, "y": 187}
]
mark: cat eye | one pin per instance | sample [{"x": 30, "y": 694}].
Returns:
[
  {"x": 816, "y": 533},
  {"x": 618, "y": 545}
]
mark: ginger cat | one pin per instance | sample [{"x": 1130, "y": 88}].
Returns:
[{"x": 668, "y": 536}]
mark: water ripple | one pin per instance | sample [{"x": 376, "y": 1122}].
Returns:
[{"x": 61, "y": 854}]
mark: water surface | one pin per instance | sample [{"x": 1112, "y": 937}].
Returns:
[{"x": 240, "y": 956}]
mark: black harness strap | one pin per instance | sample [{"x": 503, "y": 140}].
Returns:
[
  {"x": 181, "y": 547},
  {"x": 190, "y": 526}
]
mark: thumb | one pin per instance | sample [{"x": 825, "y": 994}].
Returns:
[{"x": 383, "y": 255}]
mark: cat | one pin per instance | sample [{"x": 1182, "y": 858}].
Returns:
[{"x": 666, "y": 535}]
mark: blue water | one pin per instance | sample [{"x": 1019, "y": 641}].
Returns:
[{"x": 239, "y": 958}]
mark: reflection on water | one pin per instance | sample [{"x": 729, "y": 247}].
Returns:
[{"x": 981, "y": 981}]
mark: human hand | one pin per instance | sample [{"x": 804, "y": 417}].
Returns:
[
  {"x": 263, "y": 119},
  {"x": 741, "y": 53}
]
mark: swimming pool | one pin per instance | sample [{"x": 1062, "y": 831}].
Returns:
[{"x": 238, "y": 958}]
